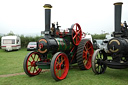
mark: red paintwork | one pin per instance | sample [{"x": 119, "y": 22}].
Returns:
[
  {"x": 73, "y": 54},
  {"x": 88, "y": 50},
  {"x": 15, "y": 45},
  {"x": 59, "y": 62},
  {"x": 31, "y": 66},
  {"x": 41, "y": 45},
  {"x": 78, "y": 34},
  {"x": 3, "y": 46},
  {"x": 12, "y": 46}
]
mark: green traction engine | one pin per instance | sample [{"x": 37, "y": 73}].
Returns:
[{"x": 57, "y": 50}]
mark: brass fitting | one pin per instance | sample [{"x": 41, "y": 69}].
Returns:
[{"x": 47, "y": 6}]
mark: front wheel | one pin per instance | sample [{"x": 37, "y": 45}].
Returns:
[
  {"x": 59, "y": 66},
  {"x": 29, "y": 65},
  {"x": 98, "y": 66}
]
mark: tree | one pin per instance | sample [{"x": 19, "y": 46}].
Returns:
[
  {"x": 10, "y": 33},
  {"x": 99, "y": 36}
]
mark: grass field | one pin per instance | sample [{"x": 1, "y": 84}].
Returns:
[{"x": 12, "y": 62}]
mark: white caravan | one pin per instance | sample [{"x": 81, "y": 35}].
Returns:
[{"x": 9, "y": 43}]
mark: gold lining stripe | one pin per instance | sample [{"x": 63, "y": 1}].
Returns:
[
  {"x": 114, "y": 50},
  {"x": 115, "y": 41},
  {"x": 43, "y": 40},
  {"x": 42, "y": 51}
]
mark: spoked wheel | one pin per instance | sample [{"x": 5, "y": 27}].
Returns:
[
  {"x": 98, "y": 66},
  {"x": 76, "y": 33},
  {"x": 29, "y": 64},
  {"x": 84, "y": 54},
  {"x": 59, "y": 66}
]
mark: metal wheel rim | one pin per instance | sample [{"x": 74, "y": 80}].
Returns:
[
  {"x": 88, "y": 51},
  {"x": 97, "y": 67},
  {"x": 29, "y": 63},
  {"x": 59, "y": 72}
]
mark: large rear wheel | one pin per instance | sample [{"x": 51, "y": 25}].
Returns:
[
  {"x": 29, "y": 65},
  {"x": 84, "y": 54},
  {"x": 59, "y": 66}
]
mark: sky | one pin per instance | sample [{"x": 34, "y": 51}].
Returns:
[{"x": 27, "y": 16}]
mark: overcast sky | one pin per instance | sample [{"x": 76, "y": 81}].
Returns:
[{"x": 27, "y": 16}]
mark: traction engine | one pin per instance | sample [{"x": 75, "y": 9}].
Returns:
[
  {"x": 57, "y": 50},
  {"x": 114, "y": 54}
]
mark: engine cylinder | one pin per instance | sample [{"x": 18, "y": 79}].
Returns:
[{"x": 118, "y": 45}]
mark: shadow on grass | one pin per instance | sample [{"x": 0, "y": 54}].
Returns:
[{"x": 115, "y": 74}]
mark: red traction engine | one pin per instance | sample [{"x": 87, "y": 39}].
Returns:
[{"x": 57, "y": 50}]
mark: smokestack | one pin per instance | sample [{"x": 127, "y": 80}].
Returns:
[
  {"x": 118, "y": 8},
  {"x": 47, "y": 18}
]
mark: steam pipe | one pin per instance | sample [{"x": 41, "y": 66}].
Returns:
[
  {"x": 47, "y": 18},
  {"x": 118, "y": 9}
]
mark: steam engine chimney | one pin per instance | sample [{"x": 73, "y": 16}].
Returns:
[
  {"x": 47, "y": 18},
  {"x": 118, "y": 8}
]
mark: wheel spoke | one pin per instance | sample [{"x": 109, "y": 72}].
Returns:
[
  {"x": 76, "y": 28},
  {"x": 98, "y": 68},
  {"x": 61, "y": 58},
  {"x": 85, "y": 48},
  {"x": 78, "y": 32},
  {"x": 101, "y": 69},
  {"x": 36, "y": 69},
  {"x": 74, "y": 31},
  {"x": 37, "y": 59},
  {"x": 32, "y": 57},
  {"x": 57, "y": 72},
  {"x": 100, "y": 56},
  {"x": 89, "y": 48},
  {"x": 58, "y": 62},
  {"x": 62, "y": 71},
  {"x": 29, "y": 61},
  {"x": 78, "y": 37},
  {"x": 29, "y": 65},
  {"x": 33, "y": 69},
  {"x": 58, "y": 59},
  {"x": 84, "y": 54},
  {"x": 74, "y": 37},
  {"x": 85, "y": 57},
  {"x": 30, "y": 68},
  {"x": 62, "y": 62}
]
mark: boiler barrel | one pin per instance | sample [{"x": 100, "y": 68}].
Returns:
[
  {"x": 53, "y": 45},
  {"x": 118, "y": 45}
]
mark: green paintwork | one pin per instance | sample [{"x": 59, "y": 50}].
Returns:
[
  {"x": 44, "y": 66},
  {"x": 62, "y": 44},
  {"x": 49, "y": 56}
]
